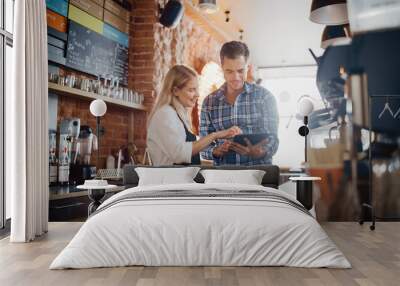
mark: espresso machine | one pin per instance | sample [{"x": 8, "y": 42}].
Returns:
[
  {"x": 360, "y": 85},
  {"x": 81, "y": 167},
  {"x": 69, "y": 132}
]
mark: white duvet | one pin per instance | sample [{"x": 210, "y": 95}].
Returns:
[{"x": 200, "y": 231}]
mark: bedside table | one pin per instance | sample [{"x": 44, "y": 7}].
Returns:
[
  {"x": 304, "y": 190},
  {"x": 68, "y": 203},
  {"x": 95, "y": 194}
]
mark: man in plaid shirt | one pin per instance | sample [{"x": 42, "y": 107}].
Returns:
[{"x": 248, "y": 106}]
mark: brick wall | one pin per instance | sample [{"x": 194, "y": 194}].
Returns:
[
  {"x": 115, "y": 123},
  {"x": 141, "y": 61},
  {"x": 187, "y": 44},
  {"x": 152, "y": 51}
]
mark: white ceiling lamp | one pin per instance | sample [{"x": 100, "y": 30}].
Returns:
[
  {"x": 329, "y": 12},
  {"x": 208, "y": 6}
]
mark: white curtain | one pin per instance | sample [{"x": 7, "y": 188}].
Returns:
[{"x": 27, "y": 124}]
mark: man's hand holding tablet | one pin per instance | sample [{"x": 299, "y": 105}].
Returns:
[{"x": 252, "y": 145}]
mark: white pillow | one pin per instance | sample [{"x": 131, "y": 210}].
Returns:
[
  {"x": 248, "y": 177},
  {"x": 165, "y": 176}
]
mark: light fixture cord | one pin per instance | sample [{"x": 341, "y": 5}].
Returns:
[{"x": 98, "y": 141}]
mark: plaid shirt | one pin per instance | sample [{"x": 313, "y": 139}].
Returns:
[{"x": 254, "y": 111}]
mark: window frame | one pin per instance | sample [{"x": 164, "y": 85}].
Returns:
[
  {"x": 6, "y": 39},
  {"x": 288, "y": 124}
]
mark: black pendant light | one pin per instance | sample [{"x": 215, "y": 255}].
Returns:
[
  {"x": 329, "y": 12},
  {"x": 335, "y": 35},
  {"x": 171, "y": 14}
]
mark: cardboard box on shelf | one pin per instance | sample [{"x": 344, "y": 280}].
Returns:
[
  {"x": 117, "y": 10},
  {"x": 99, "y": 2},
  {"x": 90, "y": 7},
  {"x": 85, "y": 19},
  {"x": 116, "y": 22},
  {"x": 56, "y": 42},
  {"x": 56, "y": 34},
  {"x": 115, "y": 35},
  {"x": 55, "y": 51},
  {"x": 56, "y": 55},
  {"x": 56, "y": 21},
  {"x": 58, "y": 6}
]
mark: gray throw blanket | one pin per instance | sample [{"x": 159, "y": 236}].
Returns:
[{"x": 206, "y": 194}]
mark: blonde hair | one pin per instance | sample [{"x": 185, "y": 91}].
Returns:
[{"x": 178, "y": 76}]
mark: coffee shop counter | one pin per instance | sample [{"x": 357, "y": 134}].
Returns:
[
  {"x": 63, "y": 192},
  {"x": 67, "y": 203}
]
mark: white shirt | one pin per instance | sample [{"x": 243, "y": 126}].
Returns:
[{"x": 166, "y": 138}]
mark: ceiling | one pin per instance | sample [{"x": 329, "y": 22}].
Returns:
[{"x": 278, "y": 32}]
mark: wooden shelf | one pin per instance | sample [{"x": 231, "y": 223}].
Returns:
[{"x": 69, "y": 91}]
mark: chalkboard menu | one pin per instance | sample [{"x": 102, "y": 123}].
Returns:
[{"x": 92, "y": 53}]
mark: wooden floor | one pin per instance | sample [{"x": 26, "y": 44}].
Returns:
[{"x": 375, "y": 257}]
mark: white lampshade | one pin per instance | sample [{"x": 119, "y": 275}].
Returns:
[
  {"x": 305, "y": 106},
  {"x": 98, "y": 107},
  {"x": 208, "y": 6}
]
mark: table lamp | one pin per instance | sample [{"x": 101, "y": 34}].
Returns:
[
  {"x": 98, "y": 108},
  {"x": 305, "y": 107}
]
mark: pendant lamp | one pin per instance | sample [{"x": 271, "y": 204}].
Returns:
[
  {"x": 335, "y": 35},
  {"x": 329, "y": 12}
]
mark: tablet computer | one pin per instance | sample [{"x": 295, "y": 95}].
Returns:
[{"x": 253, "y": 138}]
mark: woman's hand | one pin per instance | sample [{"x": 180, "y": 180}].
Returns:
[
  {"x": 221, "y": 150},
  {"x": 254, "y": 151},
  {"x": 210, "y": 138},
  {"x": 228, "y": 133}
]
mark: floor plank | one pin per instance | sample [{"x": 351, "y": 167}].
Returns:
[{"x": 374, "y": 255}]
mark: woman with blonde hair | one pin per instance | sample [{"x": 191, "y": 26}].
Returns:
[{"x": 169, "y": 137}]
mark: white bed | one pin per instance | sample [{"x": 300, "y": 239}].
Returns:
[{"x": 206, "y": 230}]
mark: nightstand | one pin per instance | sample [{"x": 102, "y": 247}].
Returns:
[
  {"x": 304, "y": 190},
  {"x": 68, "y": 203},
  {"x": 95, "y": 194}
]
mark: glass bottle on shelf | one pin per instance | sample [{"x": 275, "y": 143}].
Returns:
[
  {"x": 108, "y": 87},
  {"x": 104, "y": 85},
  {"x": 53, "y": 166},
  {"x": 63, "y": 166},
  {"x": 117, "y": 89},
  {"x": 113, "y": 89}
]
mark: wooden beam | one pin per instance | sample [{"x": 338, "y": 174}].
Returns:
[{"x": 201, "y": 20}]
